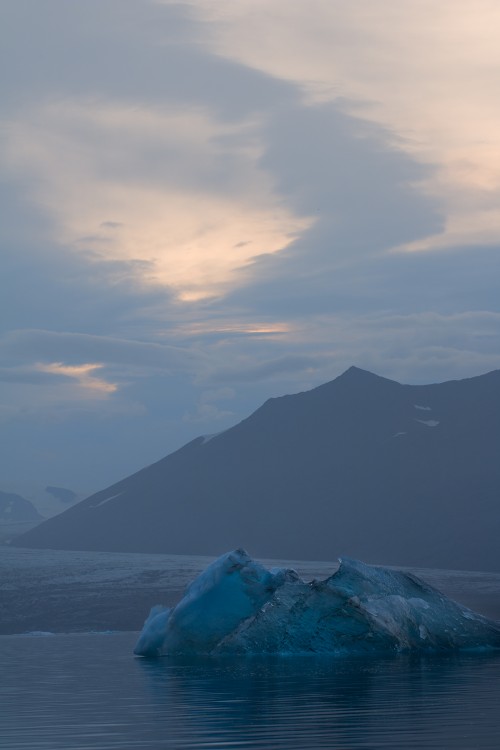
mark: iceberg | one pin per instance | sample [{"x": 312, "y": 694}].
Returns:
[{"x": 237, "y": 606}]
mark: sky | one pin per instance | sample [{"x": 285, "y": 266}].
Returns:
[{"x": 208, "y": 203}]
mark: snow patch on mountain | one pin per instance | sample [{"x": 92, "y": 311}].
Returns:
[{"x": 106, "y": 500}]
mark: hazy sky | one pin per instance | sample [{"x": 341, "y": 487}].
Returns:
[{"x": 208, "y": 203}]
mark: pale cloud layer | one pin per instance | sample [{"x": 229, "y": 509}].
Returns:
[
  {"x": 427, "y": 72},
  {"x": 208, "y": 203},
  {"x": 143, "y": 185}
]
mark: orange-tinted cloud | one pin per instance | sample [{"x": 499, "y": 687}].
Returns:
[
  {"x": 82, "y": 374},
  {"x": 144, "y": 185}
]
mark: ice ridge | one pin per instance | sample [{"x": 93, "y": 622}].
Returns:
[{"x": 237, "y": 606}]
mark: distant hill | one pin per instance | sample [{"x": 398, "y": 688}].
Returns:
[
  {"x": 63, "y": 495},
  {"x": 16, "y": 509},
  {"x": 48, "y": 501},
  {"x": 16, "y": 515},
  {"x": 362, "y": 466}
]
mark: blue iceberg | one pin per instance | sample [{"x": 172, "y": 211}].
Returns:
[{"x": 237, "y": 606}]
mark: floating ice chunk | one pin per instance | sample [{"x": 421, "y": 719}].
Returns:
[
  {"x": 152, "y": 637},
  {"x": 231, "y": 589},
  {"x": 238, "y": 607},
  {"x": 422, "y": 408}
]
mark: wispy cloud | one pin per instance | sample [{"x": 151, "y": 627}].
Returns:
[
  {"x": 33, "y": 345},
  {"x": 232, "y": 327},
  {"x": 84, "y": 375},
  {"x": 179, "y": 191},
  {"x": 251, "y": 371},
  {"x": 426, "y": 72}
]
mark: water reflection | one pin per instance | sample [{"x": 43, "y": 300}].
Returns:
[
  {"x": 318, "y": 702},
  {"x": 87, "y": 692}
]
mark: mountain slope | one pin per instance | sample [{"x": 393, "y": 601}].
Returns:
[
  {"x": 16, "y": 509},
  {"x": 362, "y": 466},
  {"x": 16, "y": 515}
]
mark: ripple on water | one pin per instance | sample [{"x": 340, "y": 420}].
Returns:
[{"x": 86, "y": 692}]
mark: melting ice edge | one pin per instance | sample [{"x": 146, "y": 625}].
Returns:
[{"x": 237, "y": 606}]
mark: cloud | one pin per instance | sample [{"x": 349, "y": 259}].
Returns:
[
  {"x": 439, "y": 106},
  {"x": 44, "y": 370},
  {"x": 207, "y": 410},
  {"x": 154, "y": 54},
  {"x": 208, "y": 414},
  {"x": 145, "y": 185},
  {"x": 84, "y": 375},
  {"x": 29, "y": 375},
  {"x": 139, "y": 150},
  {"x": 347, "y": 174},
  {"x": 416, "y": 347},
  {"x": 249, "y": 371},
  {"x": 76, "y": 348},
  {"x": 208, "y": 204},
  {"x": 111, "y": 224},
  {"x": 216, "y": 394},
  {"x": 235, "y": 324}
]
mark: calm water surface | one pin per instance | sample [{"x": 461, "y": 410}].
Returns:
[{"x": 68, "y": 692}]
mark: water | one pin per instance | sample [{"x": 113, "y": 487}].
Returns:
[
  {"x": 83, "y": 691},
  {"x": 62, "y": 591},
  {"x": 80, "y": 591},
  {"x": 70, "y": 692}
]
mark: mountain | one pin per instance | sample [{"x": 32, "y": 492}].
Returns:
[
  {"x": 16, "y": 509},
  {"x": 16, "y": 515},
  {"x": 361, "y": 466},
  {"x": 47, "y": 500},
  {"x": 62, "y": 495}
]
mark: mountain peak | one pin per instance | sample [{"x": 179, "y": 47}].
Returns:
[
  {"x": 354, "y": 371},
  {"x": 361, "y": 464},
  {"x": 356, "y": 376},
  {"x": 358, "y": 372}
]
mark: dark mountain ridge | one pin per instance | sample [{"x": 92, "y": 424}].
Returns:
[{"x": 362, "y": 466}]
